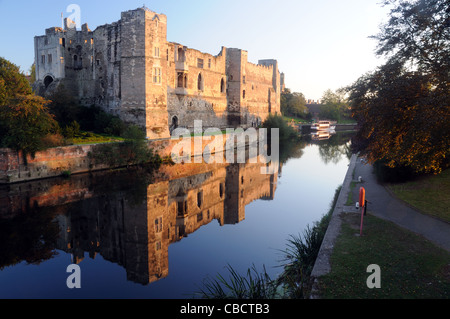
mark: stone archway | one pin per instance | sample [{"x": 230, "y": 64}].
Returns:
[{"x": 48, "y": 80}]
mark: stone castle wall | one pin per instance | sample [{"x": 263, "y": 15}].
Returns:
[{"x": 130, "y": 69}]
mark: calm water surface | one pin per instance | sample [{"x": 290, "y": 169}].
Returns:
[{"x": 158, "y": 236}]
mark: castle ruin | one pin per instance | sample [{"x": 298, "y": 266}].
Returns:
[{"x": 129, "y": 69}]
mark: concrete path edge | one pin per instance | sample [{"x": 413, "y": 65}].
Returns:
[{"x": 322, "y": 265}]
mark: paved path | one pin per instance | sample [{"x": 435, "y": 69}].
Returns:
[{"x": 384, "y": 205}]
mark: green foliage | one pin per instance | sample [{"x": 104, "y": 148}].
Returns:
[
  {"x": 403, "y": 107},
  {"x": 72, "y": 130},
  {"x": 12, "y": 82},
  {"x": 33, "y": 73},
  {"x": 286, "y": 132},
  {"x": 67, "y": 111},
  {"x": 24, "y": 117},
  {"x": 254, "y": 285},
  {"x": 334, "y": 106},
  {"x": 301, "y": 254},
  {"x": 133, "y": 151},
  {"x": 293, "y": 104},
  {"x": 63, "y": 106}
]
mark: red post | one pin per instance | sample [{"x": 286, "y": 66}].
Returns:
[{"x": 362, "y": 202}]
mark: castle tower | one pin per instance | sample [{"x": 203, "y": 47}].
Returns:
[{"x": 144, "y": 66}]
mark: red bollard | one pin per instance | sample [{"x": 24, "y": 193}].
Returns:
[{"x": 362, "y": 202}]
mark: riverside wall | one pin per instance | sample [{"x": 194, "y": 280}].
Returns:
[{"x": 75, "y": 159}]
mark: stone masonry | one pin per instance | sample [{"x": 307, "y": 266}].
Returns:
[{"x": 129, "y": 69}]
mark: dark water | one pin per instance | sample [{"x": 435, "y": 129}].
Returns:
[{"x": 142, "y": 235}]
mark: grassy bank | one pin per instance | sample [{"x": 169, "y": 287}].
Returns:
[
  {"x": 429, "y": 194},
  {"x": 411, "y": 267}
]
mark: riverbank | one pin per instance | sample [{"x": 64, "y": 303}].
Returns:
[
  {"x": 77, "y": 159},
  {"x": 412, "y": 249}
]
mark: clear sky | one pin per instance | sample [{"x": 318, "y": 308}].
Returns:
[{"x": 319, "y": 44}]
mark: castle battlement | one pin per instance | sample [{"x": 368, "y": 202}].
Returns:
[{"x": 129, "y": 69}]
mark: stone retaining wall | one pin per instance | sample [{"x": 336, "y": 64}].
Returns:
[{"x": 75, "y": 159}]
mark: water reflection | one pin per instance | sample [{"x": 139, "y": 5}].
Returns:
[
  {"x": 125, "y": 218},
  {"x": 131, "y": 218}
]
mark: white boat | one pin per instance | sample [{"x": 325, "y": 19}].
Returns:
[{"x": 322, "y": 126}]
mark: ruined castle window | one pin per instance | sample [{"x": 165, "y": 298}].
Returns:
[
  {"x": 199, "y": 217},
  {"x": 200, "y": 63},
  {"x": 200, "y": 82},
  {"x": 243, "y": 79},
  {"x": 182, "y": 208},
  {"x": 222, "y": 86},
  {"x": 221, "y": 190},
  {"x": 43, "y": 59},
  {"x": 180, "y": 55},
  {"x": 97, "y": 62},
  {"x": 174, "y": 122},
  {"x": 243, "y": 94},
  {"x": 180, "y": 80},
  {"x": 158, "y": 225},
  {"x": 46, "y": 41},
  {"x": 185, "y": 81},
  {"x": 200, "y": 199},
  {"x": 157, "y": 52},
  {"x": 157, "y": 75},
  {"x": 50, "y": 58},
  {"x": 209, "y": 63}
]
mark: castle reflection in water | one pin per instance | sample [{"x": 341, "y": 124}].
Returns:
[{"x": 131, "y": 220}]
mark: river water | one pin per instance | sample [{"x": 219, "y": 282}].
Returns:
[{"x": 158, "y": 235}]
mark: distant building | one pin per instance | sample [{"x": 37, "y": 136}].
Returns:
[
  {"x": 129, "y": 69},
  {"x": 313, "y": 108}
]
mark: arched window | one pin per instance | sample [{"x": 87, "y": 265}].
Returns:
[
  {"x": 222, "y": 86},
  {"x": 180, "y": 80},
  {"x": 200, "y": 82},
  {"x": 174, "y": 122},
  {"x": 243, "y": 94}
]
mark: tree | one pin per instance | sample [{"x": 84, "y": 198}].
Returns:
[
  {"x": 293, "y": 104},
  {"x": 334, "y": 105},
  {"x": 24, "y": 117},
  {"x": 33, "y": 73},
  {"x": 403, "y": 107}
]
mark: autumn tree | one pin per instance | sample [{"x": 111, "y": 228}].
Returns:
[
  {"x": 403, "y": 107},
  {"x": 24, "y": 117}
]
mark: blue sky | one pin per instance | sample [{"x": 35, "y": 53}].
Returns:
[{"x": 319, "y": 44}]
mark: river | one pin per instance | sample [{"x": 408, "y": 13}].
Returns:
[{"x": 158, "y": 235}]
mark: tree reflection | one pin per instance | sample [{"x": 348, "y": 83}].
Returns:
[
  {"x": 333, "y": 149},
  {"x": 29, "y": 237}
]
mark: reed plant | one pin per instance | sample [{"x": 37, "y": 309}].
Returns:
[{"x": 298, "y": 260}]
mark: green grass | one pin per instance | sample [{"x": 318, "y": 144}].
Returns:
[
  {"x": 296, "y": 119},
  {"x": 350, "y": 194},
  {"x": 429, "y": 194},
  {"x": 411, "y": 267},
  {"x": 92, "y": 138}
]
